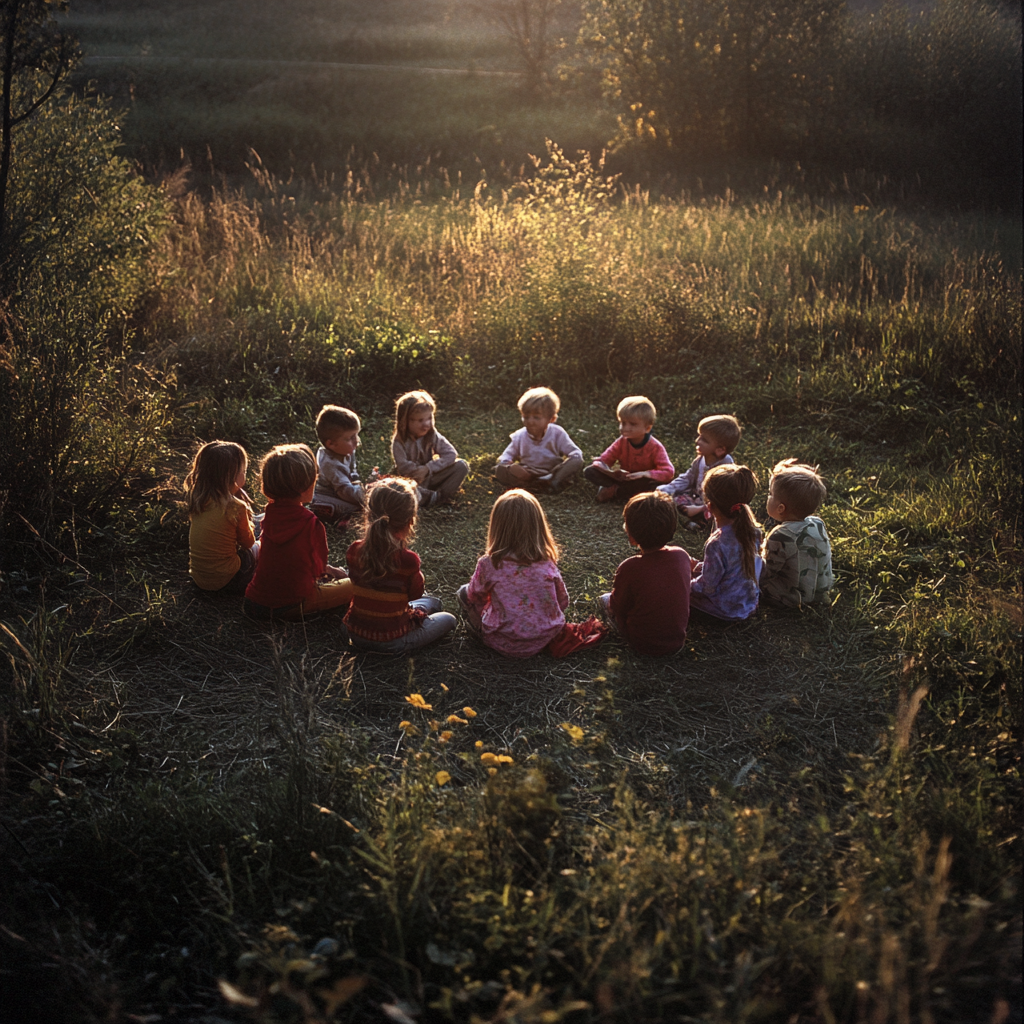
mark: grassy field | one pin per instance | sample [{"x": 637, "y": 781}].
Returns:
[{"x": 807, "y": 818}]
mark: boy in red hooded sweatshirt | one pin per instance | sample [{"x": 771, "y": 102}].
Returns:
[{"x": 295, "y": 581}]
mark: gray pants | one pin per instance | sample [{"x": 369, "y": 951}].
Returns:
[
  {"x": 559, "y": 478},
  {"x": 445, "y": 482},
  {"x": 329, "y": 508},
  {"x": 432, "y": 628}
]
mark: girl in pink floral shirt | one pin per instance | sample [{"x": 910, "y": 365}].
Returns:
[{"x": 516, "y": 600}]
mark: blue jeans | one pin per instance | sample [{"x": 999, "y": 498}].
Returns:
[{"x": 432, "y": 628}]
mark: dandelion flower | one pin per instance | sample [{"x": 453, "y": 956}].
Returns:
[
  {"x": 408, "y": 728},
  {"x": 488, "y": 758},
  {"x": 575, "y": 732},
  {"x": 505, "y": 759},
  {"x": 417, "y": 701},
  {"x": 446, "y": 735},
  {"x": 455, "y": 720},
  {"x": 478, "y": 744},
  {"x": 442, "y": 778},
  {"x": 469, "y": 712}
]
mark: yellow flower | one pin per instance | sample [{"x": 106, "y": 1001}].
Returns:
[
  {"x": 434, "y": 725},
  {"x": 492, "y": 771},
  {"x": 489, "y": 758},
  {"x": 575, "y": 732},
  {"x": 446, "y": 736},
  {"x": 469, "y": 712},
  {"x": 455, "y": 720},
  {"x": 442, "y": 778},
  {"x": 408, "y": 728},
  {"x": 417, "y": 701},
  {"x": 478, "y": 744},
  {"x": 505, "y": 759}
]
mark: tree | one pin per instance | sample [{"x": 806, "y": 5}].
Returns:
[
  {"x": 36, "y": 55},
  {"x": 527, "y": 26},
  {"x": 711, "y": 76}
]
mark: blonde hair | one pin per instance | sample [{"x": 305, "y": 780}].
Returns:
[
  {"x": 408, "y": 405},
  {"x": 541, "y": 400},
  {"x": 287, "y": 471},
  {"x": 211, "y": 478},
  {"x": 798, "y": 487},
  {"x": 390, "y": 510},
  {"x": 639, "y": 406},
  {"x": 726, "y": 430},
  {"x": 730, "y": 490},
  {"x": 519, "y": 531},
  {"x": 333, "y": 420}
]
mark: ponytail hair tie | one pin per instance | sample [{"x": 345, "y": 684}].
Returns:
[{"x": 736, "y": 508}]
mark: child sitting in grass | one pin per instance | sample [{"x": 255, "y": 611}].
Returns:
[
  {"x": 541, "y": 455},
  {"x": 797, "y": 553},
  {"x": 292, "y": 579},
  {"x": 339, "y": 491},
  {"x": 643, "y": 461},
  {"x": 516, "y": 600},
  {"x": 422, "y": 454},
  {"x": 390, "y": 614},
  {"x": 650, "y": 599},
  {"x": 724, "y": 584},
  {"x": 222, "y": 547},
  {"x": 717, "y": 437}
]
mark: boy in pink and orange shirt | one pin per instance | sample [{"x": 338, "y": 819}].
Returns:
[{"x": 642, "y": 459}]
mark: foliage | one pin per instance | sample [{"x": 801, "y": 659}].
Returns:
[
  {"x": 81, "y": 416},
  {"x": 696, "y": 77}
]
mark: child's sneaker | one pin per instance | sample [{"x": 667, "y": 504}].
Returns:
[
  {"x": 694, "y": 525},
  {"x": 430, "y": 498},
  {"x": 607, "y": 492}
]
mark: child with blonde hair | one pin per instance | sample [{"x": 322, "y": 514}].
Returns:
[
  {"x": 389, "y": 613},
  {"x": 717, "y": 437},
  {"x": 642, "y": 459},
  {"x": 516, "y": 600},
  {"x": 724, "y": 584},
  {"x": 423, "y": 454},
  {"x": 339, "y": 491},
  {"x": 797, "y": 553},
  {"x": 541, "y": 455},
  {"x": 222, "y": 547},
  {"x": 292, "y": 580}
]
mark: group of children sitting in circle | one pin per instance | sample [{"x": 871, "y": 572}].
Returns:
[{"x": 516, "y": 600}]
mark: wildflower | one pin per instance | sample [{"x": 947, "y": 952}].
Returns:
[
  {"x": 492, "y": 771},
  {"x": 408, "y": 728},
  {"x": 417, "y": 701},
  {"x": 434, "y": 725},
  {"x": 446, "y": 735},
  {"x": 478, "y": 744},
  {"x": 505, "y": 759},
  {"x": 489, "y": 758},
  {"x": 575, "y": 732},
  {"x": 455, "y": 720},
  {"x": 442, "y": 778},
  {"x": 469, "y": 712}
]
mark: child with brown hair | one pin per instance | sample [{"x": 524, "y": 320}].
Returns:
[
  {"x": 717, "y": 437},
  {"x": 650, "y": 598},
  {"x": 797, "y": 553},
  {"x": 541, "y": 455},
  {"x": 389, "y": 613},
  {"x": 292, "y": 579},
  {"x": 222, "y": 547},
  {"x": 339, "y": 491},
  {"x": 516, "y": 600},
  {"x": 724, "y": 583},
  {"x": 423, "y": 454}
]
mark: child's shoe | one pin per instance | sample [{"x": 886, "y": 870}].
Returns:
[
  {"x": 607, "y": 492},
  {"x": 430, "y": 498}
]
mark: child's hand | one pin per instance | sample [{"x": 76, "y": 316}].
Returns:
[
  {"x": 693, "y": 510},
  {"x": 638, "y": 476},
  {"x": 520, "y": 472},
  {"x": 335, "y": 572},
  {"x": 419, "y": 475}
]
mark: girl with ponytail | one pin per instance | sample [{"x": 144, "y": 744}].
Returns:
[
  {"x": 724, "y": 584},
  {"x": 389, "y": 613}
]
